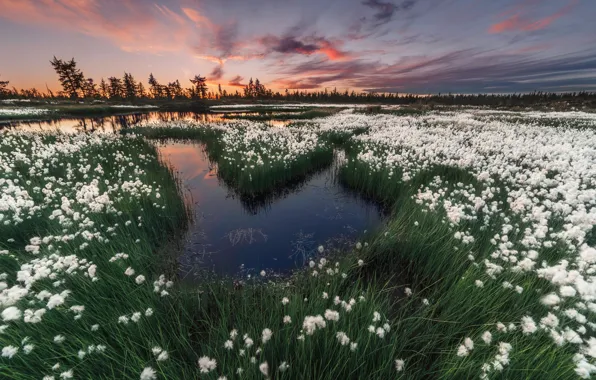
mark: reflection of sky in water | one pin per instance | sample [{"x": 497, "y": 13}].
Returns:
[
  {"x": 227, "y": 235},
  {"x": 110, "y": 124}
]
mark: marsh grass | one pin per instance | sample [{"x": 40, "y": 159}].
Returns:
[
  {"x": 438, "y": 269},
  {"x": 416, "y": 250},
  {"x": 285, "y": 114}
]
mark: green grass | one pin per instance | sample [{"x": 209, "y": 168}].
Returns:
[
  {"x": 415, "y": 249},
  {"x": 285, "y": 115}
]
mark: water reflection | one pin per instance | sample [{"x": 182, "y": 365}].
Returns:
[
  {"x": 114, "y": 123},
  {"x": 234, "y": 235}
]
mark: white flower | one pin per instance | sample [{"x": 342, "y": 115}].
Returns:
[
  {"x": 311, "y": 324},
  {"x": 376, "y": 316},
  {"x": 462, "y": 351},
  {"x": 469, "y": 343},
  {"x": 9, "y": 351},
  {"x": 207, "y": 364},
  {"x": 487, "y": 337},
  {"x": 28, "y": 348},
  {"x": 528, "y": 325},
  {"x": 59, "y": 339},
  {"x": 266, "y": 335},
  {"x": 399, "y": 365},
  {"x": 163, "y": 356},
  {"x": 353, "y": 346},
  {"x": 550, "y": 299},
  {"x": 331, "y": 315},
  {"x": 321, "y": 249},
  {"x": 233, "y": 334},
  {"x": 140, "y": 279},
  {"x": 148, "y": 374},
  {"x": 283, "y": 367},
  {"x": 287, "y": 320},
  {"x": 228, "y": 344},
  {"x": 263, "y": 273},
  {"x": 360, "y": 263},
  {"x": 129, "y": 271},
  {"x": 67, "y": 374},
  {"x": 285, "y": 301},
  {"x": 342, "y": 338},
  {"x": 264, "y": 368},
  {"x": 11, "y": 313},
  {"x": 248, "y": 342}
]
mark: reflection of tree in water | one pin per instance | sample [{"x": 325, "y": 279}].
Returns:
[
  {"x": 112, "y": 123},
  {"x": 256, "y": 203}
]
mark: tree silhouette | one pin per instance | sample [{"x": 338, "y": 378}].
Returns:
[
  {"x": 71, "y": 78},
  {"x": 156, "y": 89},
  {"x": 3, "y": 87},
  {"x": 130, "y": 86},
  {"x": 89, "y": 88},
  {"x": 104, "y": 90},
  {"x": 141, "y": 90},
  {"x": 116, "y": 88},
  {"x": 200, "y": 84},
  {"x": 174, "y": 90}
]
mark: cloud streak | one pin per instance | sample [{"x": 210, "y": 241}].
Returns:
[{"x": 521, "y": 21}]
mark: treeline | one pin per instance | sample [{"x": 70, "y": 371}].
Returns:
[{"x": 76, "y": 86}]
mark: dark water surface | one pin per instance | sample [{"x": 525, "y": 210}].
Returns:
[
  {"x": 114, "y": 123},
  {"x": 235, "y": 236}
]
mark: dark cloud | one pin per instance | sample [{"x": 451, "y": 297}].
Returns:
[
  {"x": 236, "y": 81},
  {"x": 216, "y": 73},
  {"x": 288, "y": 44},
  {"x": 385, "y": 10}
]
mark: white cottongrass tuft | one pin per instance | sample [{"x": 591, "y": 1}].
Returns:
[
  {"x": 9, "y": 351},
  {"x": 264, "y": 368},
  {"x": 207, "y": 364},
  {"x": 266, "y": 335},
  {"x": 148, "y": 374},
  {"x": 331, "y": 315},
  {"x": 399, "y": 365}
]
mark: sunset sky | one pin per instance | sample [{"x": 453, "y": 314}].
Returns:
[{"x": 417, "y": 46}]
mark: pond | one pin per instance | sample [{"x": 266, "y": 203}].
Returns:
[
  {"x": 113, "y": 123},
  {"x": 235, "y": 236}
]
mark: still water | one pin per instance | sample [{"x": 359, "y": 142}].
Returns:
[
  {"x": 235, "y": 236},
  {"x": 114, "y": 123}
]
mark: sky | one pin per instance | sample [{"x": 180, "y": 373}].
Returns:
[{"x": 406, "y": 46}]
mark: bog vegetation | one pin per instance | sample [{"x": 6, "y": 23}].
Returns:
[{"x": 484, "y": 270}]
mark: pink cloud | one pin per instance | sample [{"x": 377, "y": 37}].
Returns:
[{"x": 519, "y": 21}]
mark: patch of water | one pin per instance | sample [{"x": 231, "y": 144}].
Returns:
[
  {"x": 114, "y": 123},
  {"x": 234, "y": 236}
]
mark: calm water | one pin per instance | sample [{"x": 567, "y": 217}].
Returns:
[
  {"x": 111, "y": 124},
  {"x": 235, "y": 236}
]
